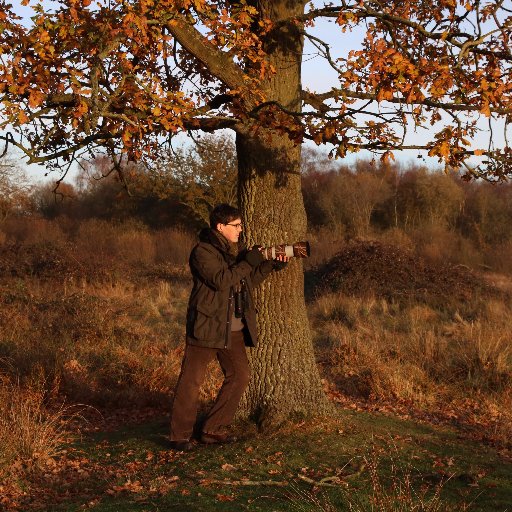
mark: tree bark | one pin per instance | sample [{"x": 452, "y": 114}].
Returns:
[{"x": 285, "y": 378}]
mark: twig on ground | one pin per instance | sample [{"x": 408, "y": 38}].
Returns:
[{"x": 245, "y": 482}]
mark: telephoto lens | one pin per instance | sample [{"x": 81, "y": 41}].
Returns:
[{"x": 296, "y": 250}]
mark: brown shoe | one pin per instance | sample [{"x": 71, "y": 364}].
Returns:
[
  {"x": 181, "y": 446},
  {"x": 208, "y": 438}
]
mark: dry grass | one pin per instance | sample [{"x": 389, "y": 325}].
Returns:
[
  {"x": 501, "y": 281},
  {"x": 401, "y": 490},
  {"x": 433, "y": 360},
  {"x": 394, "y": 486},
  {"x": 30, "y": 432},
  {"x": 111, "y": 329},
  {"x": 104, "y": 343}
]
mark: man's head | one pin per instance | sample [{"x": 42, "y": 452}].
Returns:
[{"x": 226, "y": 219}]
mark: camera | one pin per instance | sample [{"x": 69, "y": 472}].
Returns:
[{"x": 296, "y": 250}]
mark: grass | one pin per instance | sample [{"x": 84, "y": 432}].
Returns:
[
  {"x": 31, "y": 433},
  {"x": 444, "y": 362},
  {"x": 112, "y": 339},
  {"x": 360, "y": 462}
]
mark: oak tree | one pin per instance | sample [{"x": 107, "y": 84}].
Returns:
[{"x": 123, "y": 76}]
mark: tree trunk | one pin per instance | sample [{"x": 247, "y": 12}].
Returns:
[{"x": 285, "y": 379}]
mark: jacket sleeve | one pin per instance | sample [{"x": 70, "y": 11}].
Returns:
[
  {"x": 259, "y": 274},
  {"x": 214, "y": 271}
]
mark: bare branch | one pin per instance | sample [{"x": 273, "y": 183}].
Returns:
[{"x": 316, "y": 99}]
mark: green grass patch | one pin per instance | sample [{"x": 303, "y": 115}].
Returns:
[{"x": 359, "y": 462}]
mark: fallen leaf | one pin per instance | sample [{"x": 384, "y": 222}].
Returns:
[{"x": 224, "y": 497}]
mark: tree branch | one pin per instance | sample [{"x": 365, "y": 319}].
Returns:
[
  {"x": 317, "y": 99},
  {"x": 366, "y": 11},
  {"x": 67, "y": 152},
  {"x": 210, "y": 124},
  {"x": 218, "y": 63}
]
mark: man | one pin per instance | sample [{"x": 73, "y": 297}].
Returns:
[{"x": 221, "y": 322}]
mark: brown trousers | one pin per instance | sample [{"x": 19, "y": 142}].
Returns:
[{"x": 235, "y": 368}]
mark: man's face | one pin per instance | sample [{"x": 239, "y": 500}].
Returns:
[{"x": 231, "y": 230}]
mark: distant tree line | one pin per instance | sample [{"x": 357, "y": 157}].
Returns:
[
  {"x": 371, "y": 197},
  {"x": 433, "y": 211},
  {"x": 179, "y": 188}
]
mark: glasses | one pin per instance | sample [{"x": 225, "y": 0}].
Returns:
[{"x": 238, "y": 225}]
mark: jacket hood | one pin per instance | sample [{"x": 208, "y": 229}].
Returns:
[
  {"x": 210, "y": 236},
  {"x": 213, "y": 237}
]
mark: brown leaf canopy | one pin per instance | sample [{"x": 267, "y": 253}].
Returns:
[{"x": 124, "y": 76}]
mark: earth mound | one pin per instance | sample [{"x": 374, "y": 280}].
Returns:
[{"x": 371, "y": 267}]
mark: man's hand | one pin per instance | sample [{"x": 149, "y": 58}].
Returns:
[
  {"x": 280, "y": 262},
  {"x": 254, "y": 256}
]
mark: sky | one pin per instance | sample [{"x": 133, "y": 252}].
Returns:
[{"x": 317, "y": 76}]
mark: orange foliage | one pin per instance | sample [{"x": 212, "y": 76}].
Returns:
[{"x": 118, "y": 74}]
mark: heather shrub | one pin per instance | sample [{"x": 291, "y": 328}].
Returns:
[
  {"x": 173, "y": 246},
  {"x": 136, "y": 246}
]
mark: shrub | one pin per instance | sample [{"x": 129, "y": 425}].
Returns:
[
  {"x": 173, "y": 246},
  {"x": 438, "y": 244},
  {"x": 32, "y": 230},
  {"x": 498, "y": 258},
  {"x": 135, "y": 246}
]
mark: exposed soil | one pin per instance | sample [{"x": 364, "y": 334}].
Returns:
[{"x": 371, "y": 267}]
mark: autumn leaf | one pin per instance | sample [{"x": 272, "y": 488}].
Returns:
[
  {"x": 35, "y": 98},
  {"x": 224, "y": 497},
  {"x": 81, "y": 109},
  {"x": 486, "y": 109},
  {"x": 22, "y": 117}
]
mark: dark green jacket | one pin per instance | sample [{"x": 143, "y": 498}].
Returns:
[{"x": 215, "y": 273}]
